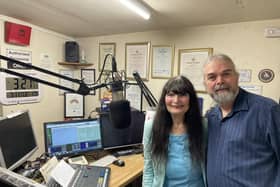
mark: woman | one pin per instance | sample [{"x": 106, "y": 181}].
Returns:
[{"x": 173, "y": 141}]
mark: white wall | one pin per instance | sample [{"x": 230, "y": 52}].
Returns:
[
  {"x": 51, "y": 106},
  {"x": 244, "y": 42},
  {"x": 91, "y": 48}
]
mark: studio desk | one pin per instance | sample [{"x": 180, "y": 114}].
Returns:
[{"x": 133, "y": 169}]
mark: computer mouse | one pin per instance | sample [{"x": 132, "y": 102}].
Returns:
[{"x": 119, "y": 162}]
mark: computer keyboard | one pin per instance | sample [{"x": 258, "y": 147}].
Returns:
[
  {"x": 86, "y": 176},
  {"x": 11, "y": 178},
  {"x": 104, "y": 161}
]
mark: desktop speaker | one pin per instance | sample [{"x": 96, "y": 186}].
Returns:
[{"x": 71, "y": 51}]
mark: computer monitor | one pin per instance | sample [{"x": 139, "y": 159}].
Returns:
[
  {"x": 119, "y": 138},
  {"x": 17, "y": 140},
  {"x": 68, "y": 138}
]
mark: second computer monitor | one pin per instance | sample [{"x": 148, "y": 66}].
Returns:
[
  {"x": 68, "y": 138},
  {"x": 17, "y": 140},
  {"x": 113, "y": 137}
]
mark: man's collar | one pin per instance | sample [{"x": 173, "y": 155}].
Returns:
[{"x": 241, "y": 101}]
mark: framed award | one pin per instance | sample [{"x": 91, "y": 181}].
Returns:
[{"x": 74, "y": 105}]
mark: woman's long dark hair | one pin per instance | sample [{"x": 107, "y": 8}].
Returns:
[{"x": 163, "y": 122}]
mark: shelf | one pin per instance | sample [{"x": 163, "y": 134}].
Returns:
[{"x": 75, "y": 64}]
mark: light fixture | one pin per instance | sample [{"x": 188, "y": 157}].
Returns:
[{"x": 138, "y": 7}]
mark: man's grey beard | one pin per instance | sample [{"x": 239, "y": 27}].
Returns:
[{"x": 224, "y": 98}]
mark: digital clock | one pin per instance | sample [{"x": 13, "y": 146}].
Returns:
[
  {"x": 13, "y": 83},
  {"x": 19, "y": 90}
]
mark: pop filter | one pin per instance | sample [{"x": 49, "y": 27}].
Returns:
[{"x": 120, "y": 114}]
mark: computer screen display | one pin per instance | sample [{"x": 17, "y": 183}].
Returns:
[
  {"x": 116, "y": 138},
  {"x": 68, "y": 138},
  {"x": 17, "y": 140}
]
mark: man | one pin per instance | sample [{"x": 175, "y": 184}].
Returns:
[{"x": 243, "y": 131}]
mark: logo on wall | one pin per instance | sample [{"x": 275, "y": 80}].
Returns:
[{"x": 266, "y": 75}]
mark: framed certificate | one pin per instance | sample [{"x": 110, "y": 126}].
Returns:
[
  {"x": 105, "y": 92},
  {"x": 137, "y": 59},
  {"x": 134, "y": 95},
  {"x": 244, "y": 75},
  {"x": 88, "y": 76},
  {"x": 162, "y": 61},
  {"x": 66, "y": 83},
  {"x": 74, "y": 105},
  {"x": 104, "y": 49},
  {"x": 191, "y": 62},
  {"x": 256, "y": 89}
]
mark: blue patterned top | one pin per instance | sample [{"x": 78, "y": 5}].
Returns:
[{"x": 180, "y": 171}]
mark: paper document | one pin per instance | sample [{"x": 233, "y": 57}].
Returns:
[
  {"x": 63, "y": 173},
  {"x": 48, "y": 167}
]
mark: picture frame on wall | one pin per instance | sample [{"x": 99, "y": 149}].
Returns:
[
  {"x": 137, "y": 59},
  {"x": 162, "y": 61},
  {"x": 104, "y": 49},
  {"x": 66, "y": 83},
  {"x": 88, "y": 76},
  {"x": 244, "y": 75},
  {"x": 104, "y": 91},
  {"x": 191, "y": 62},
  {"x": 74, "y": 105},
  {"x": 134, "y": 95}
]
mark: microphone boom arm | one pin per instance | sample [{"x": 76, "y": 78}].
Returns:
[
  {"x": 36, "y": 79},
  {"x": 83, "y": 89},
  {"x": 147, "y": 93}
]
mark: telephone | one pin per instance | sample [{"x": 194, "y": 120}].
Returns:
[{"x": 78, "y": 160}]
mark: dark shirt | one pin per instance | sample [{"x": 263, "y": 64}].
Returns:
[{"x": 244, "y": 147}]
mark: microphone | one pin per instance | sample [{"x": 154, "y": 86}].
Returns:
[
  {"x": 120, "y": 113},
  {"x": 116, "y": 86}
]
